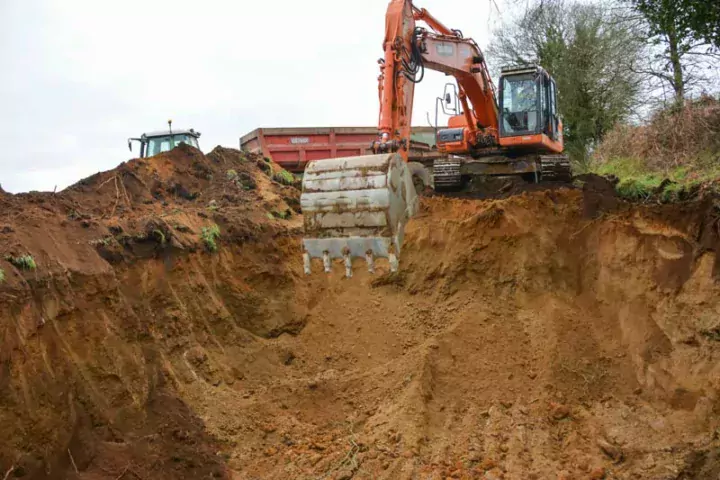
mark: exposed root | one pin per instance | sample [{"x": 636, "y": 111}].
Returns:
[
  {"x": 7, "y": 474},
  {"x": 349, "y": 461},
  {"x": 72, "y": 460}
]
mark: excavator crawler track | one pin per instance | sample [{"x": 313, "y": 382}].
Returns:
[
  {"x": 555, "y": 168},
  {"x": 446, "y": 174}
]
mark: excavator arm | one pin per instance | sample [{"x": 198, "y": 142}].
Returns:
[{"x": 409, "y": 50}]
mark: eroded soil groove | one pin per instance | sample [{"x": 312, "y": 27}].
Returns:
[{"x": 556, "y": 333}]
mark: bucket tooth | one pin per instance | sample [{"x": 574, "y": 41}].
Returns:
[
  {"x": 326, "y": 261},
  {"x": 370, "y": 261},
  {"x": 348, "y": 264},
  {"x": 306, "y": 263},
  {"x": 394, "y": 262}
]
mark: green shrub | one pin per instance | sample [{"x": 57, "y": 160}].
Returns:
[
  {"x": 209, "y": 236},
  {"x": 24, "y": 262}
]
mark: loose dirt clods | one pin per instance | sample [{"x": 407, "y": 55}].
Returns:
[{"x": 557, "y": 333}]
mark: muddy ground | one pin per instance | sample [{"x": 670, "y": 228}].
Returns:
[{"x": 554, "y": 334}]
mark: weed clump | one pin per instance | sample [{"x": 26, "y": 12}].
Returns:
[
  {"x": 24, "y": 262},
  {"x": 242, "y": 180},
  {"x": 160, "y": 236},
  {"x": 105, "y": 241},
  {"x": 281, "y": 214},
  {"x": 284, "y": 177},
  {"x": 209, "y": 236},
  {"x": 638, "y": 188}
]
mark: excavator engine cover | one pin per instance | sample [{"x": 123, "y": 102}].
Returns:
[{"x": 356, "y": 207}]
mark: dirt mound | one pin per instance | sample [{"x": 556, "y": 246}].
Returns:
[
  {"x": 84, "y": 385},
  {"x": 554, "y": 334},
  {"x": 149, "y": 206}
]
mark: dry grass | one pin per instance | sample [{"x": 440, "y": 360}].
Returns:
[
  {"x": 674, "y": 137},
  {"x": 678, "y": 144}
]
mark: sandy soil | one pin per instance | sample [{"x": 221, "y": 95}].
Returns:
[{"x": 554, "y": 334}]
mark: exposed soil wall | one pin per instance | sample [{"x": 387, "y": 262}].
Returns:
[{"x": 552, "y": 334}]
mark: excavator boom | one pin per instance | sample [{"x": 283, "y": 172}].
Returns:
[{"x": 409, "y": 50}]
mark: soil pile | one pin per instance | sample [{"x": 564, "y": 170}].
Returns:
[
  {"x": 83, "y": 385},
  {"x": 554, "y": 334}
]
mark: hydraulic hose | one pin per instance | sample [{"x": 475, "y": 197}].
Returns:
[{"x": 411, "y": 69}]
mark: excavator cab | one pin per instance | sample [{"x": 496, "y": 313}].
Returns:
[{"x": 528, "y": 109}]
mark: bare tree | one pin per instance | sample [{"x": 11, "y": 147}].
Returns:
[
  {"x": 594, "y": 58},
  {"x": 683, "y": 60}
]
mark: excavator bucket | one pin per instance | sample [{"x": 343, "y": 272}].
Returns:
[{"x": 356, "y": 207}]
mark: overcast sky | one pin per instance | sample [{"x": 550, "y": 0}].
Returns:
[{"x": 81, "y": 76}]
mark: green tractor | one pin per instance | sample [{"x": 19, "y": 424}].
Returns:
[{"x": 153, "y": 143}]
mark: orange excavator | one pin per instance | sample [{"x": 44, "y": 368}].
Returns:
[{"x": 359, "y": 206}]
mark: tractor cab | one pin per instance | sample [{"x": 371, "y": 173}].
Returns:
[
  {"x": 153, "y": 143},
  {"x": 528, "y": 106}
]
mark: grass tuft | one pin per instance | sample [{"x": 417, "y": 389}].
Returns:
[
  {"x": 24, "y": 262},
  {"x": 209, "y": 236},
  {"x": 284, "y": 177},
  {"x": 641, "y": 187}
]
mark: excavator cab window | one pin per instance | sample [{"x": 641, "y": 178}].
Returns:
[{"x": 520, "y": 103}]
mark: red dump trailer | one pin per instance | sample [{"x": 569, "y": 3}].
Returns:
[{"x": 293, "y": 148}]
